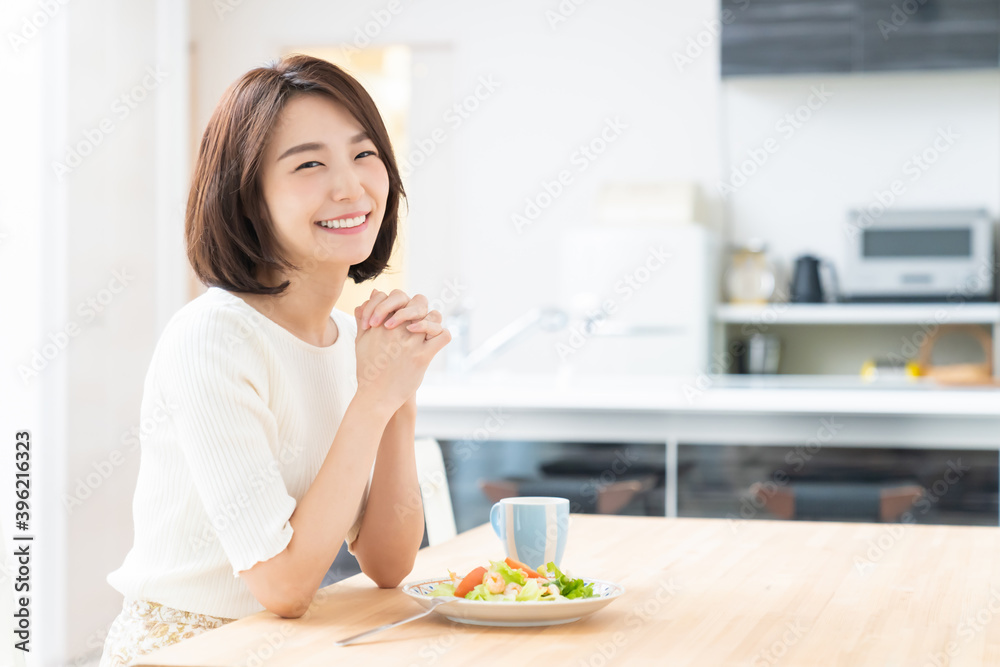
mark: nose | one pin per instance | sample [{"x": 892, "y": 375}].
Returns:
[{"x": 345, "y": 184}]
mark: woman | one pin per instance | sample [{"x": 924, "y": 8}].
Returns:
[{"x": 265, "y": 460}]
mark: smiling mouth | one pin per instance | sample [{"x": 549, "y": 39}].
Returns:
[{"x": 343, "y": 223}]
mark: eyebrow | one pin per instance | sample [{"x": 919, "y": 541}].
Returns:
[{"x": 316, "y": 145}]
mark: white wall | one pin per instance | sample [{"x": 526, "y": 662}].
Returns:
[
  {"x": 91, "y": 265},
  {"x": 557, "y": 87},
  {"x": 853, "y": 146},
  {"x": 26, "y": 273},
  {"x": 124, "y": 62}
]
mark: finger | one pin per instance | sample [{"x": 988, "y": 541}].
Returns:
[
  {"x": 431, "y": 329},
  {"x": 433, "y": 317},
  {"x": 435, "y": 344},
  {"x": 369, "y": 307},
  {"x": 415, "y": 310},
  {"x": 397, "y": 300}
]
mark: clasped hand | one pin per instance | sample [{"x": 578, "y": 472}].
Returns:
[
  {"x": 396, "y": 308},
  {"x": 397, "y": 339}
]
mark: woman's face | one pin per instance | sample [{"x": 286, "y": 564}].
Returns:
[{"x": 320, "y": 167}]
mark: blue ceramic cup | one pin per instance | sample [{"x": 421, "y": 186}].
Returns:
[{"x": 532, "y": 528}]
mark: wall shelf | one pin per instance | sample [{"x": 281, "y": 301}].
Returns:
[{"x": 777, "y": 314}]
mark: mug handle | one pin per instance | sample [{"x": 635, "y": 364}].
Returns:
[{"x": 498, "y": 526}]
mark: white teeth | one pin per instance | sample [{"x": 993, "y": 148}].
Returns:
[{"x": 345, "y": 223}]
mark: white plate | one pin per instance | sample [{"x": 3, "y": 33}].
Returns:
[{"x": 516, "y": 614}]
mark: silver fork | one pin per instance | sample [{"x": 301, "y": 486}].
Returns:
[{"x": 436, "y": 602}]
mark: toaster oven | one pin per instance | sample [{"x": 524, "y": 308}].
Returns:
[{"x": 930, "y": 255}]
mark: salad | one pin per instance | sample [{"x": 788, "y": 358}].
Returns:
[{"x": 510, "y": 581}]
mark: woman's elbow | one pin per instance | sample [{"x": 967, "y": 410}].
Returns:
[
  {"x": 387, "y": 581},
  {"x": 388, "y": 574},
  {"x": 283, "y": 594},
  {"x": 289, "y": 608}
]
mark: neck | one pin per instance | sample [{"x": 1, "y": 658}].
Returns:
[{"x": 304, "y": 307}]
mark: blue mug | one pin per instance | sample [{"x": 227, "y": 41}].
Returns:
[{"x": 532, "y": 528}]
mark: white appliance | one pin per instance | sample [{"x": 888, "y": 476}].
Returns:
[
  {"x": 934, "y": 255},
  {"x": 640, "y": 298}
]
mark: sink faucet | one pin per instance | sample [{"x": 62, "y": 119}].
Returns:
[{"x": 459, "y": 358}]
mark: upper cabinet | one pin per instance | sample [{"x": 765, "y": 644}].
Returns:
[{"x": 802, "y": 36}]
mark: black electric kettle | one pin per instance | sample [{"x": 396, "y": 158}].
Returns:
[{"x": 807, "y": 287}]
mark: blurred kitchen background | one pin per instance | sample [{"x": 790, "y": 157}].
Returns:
[{"x": 729, "y": 260}]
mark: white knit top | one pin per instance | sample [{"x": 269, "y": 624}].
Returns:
[{"x": 238, "y": 414}]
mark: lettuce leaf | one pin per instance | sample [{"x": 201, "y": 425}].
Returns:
[
  {"x": 569, "y": 588},
  {"x": 530, "y": 593},
  {"x": 480, "y": 593},
  {"x": 509, "y": 575},
  {"x": 442, "y": 590}
]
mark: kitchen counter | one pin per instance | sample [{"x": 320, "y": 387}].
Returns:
[
  {"x": 793, "y": 411},
  {"x": 697, "y": 592},
  {"x": 784, "y": 394}
]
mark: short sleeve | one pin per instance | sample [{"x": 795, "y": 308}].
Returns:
[{"x": 211, "y": 368}]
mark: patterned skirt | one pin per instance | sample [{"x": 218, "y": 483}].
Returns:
[{"x": 143, "y": 627}]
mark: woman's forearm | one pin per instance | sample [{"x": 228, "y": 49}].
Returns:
[
  {"x": 287, "y": 583},
  {"x": 393, "y": 523}
]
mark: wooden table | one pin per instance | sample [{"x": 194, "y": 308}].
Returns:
[{"x": 698, "y": 592}]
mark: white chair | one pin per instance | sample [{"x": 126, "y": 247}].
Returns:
[{"x": 439, "y": 517}]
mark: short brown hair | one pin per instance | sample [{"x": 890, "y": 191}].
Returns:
[{"x": 227, "y": 227}]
